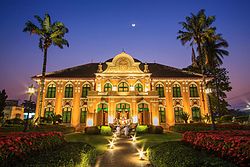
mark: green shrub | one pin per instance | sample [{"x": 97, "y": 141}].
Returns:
[
  {"x": 226, "y": 118},
  {"x": 106, "y": 130},
  {"x": 92, "y": 130},
  {"x": 14, "y": 121},
  {"x": 155, "y": 129},
  {"x": 204, "y": 127},
  {"x": 70, "y": 155},
  {"x": 142, "y": 129},
  {"x": 177, "y": 154},
  {"x": 57, "y": 128},
  {"x": 242, "y": 118}
]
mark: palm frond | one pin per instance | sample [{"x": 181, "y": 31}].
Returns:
[{"x": 47, "y": 23}]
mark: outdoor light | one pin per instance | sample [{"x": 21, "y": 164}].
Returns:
[
  {"x": 31, "y": 90},
  {"x": 111, "y": 144},
  {"x": 135, "y": 119},
  {"x": 110, "y": 119},
  {"x": 115, "y": 135},
  {"x": 208, "y": 90},
  {"x": 155, "y": 121},
  {"x": 141, "y": 154},
  {"x": 90, "y": 122},
  {"x": 134, "y": 138}
]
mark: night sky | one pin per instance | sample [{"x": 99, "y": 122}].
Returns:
[{"x": 98, "y": 30}]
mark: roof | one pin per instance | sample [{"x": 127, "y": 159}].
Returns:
[{"x": 89, "y": 70}]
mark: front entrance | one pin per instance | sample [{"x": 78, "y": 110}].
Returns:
[
  {"x": 102, "y": 114},
  {"x": 122, "y": 112},
  {"x": 143, "y": 114}
]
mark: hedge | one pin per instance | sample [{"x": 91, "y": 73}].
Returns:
[
  {"x": 75, "y": 154},
  {"x": 177, "y": 154},
  {"x": 232, "y": 145},
  {"x": 18, "y": 146},
  {"x": 106, "y": 130},
  {"x": 155, "y": 129},
  {"x": 92, "y": 130},
  {"x": 142, "y": 129},
  {"x": 40, "y": 128},
  {"x": 205, "y": 127}
]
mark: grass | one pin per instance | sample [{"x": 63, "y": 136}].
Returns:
[
  {"x": 148, "y": 140},
  {"x": 98, "y": 141}
]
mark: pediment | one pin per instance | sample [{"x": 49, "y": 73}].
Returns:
[{"x": 123, "y": 63}]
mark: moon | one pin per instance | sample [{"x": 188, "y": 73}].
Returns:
[{"x": 133, "y": 25}]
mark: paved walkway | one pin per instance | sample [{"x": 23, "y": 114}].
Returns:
[{"x": 124, "y": 154}]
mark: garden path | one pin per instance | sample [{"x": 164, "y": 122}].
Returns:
[{"x": 124, "y": 154}]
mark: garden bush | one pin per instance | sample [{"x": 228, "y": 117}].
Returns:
[
  {"x": 205, "y": 127},
  {"x": 142, "y": 129},
  {"x": 75, "y": 154},
  {"x": 92, "y": 130},
  {"x": 155, "y": 129},
  {"x": 226, "y": 118},
  {"x": 241, "y": 119},
  {"x": 14, "y": 121},
  {"x": 18, "y": 146},
  {"x": 106, "y": 130},
  {"x": 232, "y": 145},
  {"x": 57, "y": 128},
  {"x": 177, "y": 154}
]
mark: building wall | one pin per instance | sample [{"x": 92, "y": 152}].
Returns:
[{"x": 123, "y": 68}]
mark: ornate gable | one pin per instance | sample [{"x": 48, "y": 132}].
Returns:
[{"x": 122, "y": 64}]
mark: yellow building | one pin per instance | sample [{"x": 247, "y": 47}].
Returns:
[{"x": 123, "y": 88}]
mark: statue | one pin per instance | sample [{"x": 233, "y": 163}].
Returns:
[
  {"x": 99, "y": 67},
  {"x": 146, "y": 68}
]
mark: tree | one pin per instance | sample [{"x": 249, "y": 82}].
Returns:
[
  {"x": 29, "y": 107},
  {"x": 184, "y": 116},
  {"x": 197, "y": 29},
  {"x": 49, "y": 33},
  {"x": 3, "y": 97}
]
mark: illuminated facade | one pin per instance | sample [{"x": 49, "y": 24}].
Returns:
[{"x": 123, "y": 87}]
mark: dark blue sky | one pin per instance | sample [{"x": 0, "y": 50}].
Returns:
[{"x": 100, "y": 29}]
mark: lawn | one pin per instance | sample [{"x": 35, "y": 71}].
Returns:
[
  {"x": 152, "y": 139},
  {"x": 98, "y": 141}
]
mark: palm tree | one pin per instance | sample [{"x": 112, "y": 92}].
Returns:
[
  {"x": 49, "y": 33},
  {"x": 196, "y": 30},
  {"x": 214, "y": 51}
]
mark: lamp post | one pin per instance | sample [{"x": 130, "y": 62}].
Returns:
[
  {"x": 30, "y": 92},
  {"x": 209, "y": 91}
]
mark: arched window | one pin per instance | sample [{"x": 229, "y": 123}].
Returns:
[
  {"x": 139, "y": 87},
  {"x": 107, "y": 87},
  {"x": 85, "y": 90},
  {"x": 123, "y": 87},
  {"x": 142, "y": 107},
  {"x": 83, "y": 116},
  {"x": 193, "y": 91},
  {"x": 176, "y": 90},
  {"x": 48, "y": 112},
  {"x": 160, "y": 89},
  {"x": 162, "y": 114},
  {"x": 66, "y": 114},
  {"x": 196, "y": 114},
  {"x": 51, "y": 91},
  {"x": 102, "y": 107},
  {"x": 177, "y": 114},
  {"x": 68, "y": 91}
]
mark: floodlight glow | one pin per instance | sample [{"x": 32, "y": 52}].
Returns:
[
  {"x": 155, "y": 121},
  {"x": 141, "y": 154},
  {"x": 90, "y": 122},
  {"x": 111, "y": 144},
  {"x": 134, "y": 138},
  {"x": 135, "y": 119}
]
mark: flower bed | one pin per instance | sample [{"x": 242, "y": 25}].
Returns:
[
  {"x": 18, "y": 146},
  {"x": 231, "y": 145}
]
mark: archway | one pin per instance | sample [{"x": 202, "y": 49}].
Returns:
[
  {"x": 122, "y": 111},
  {"x": 102, "y": 114},
  {"x": 143, "y": 114}
]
